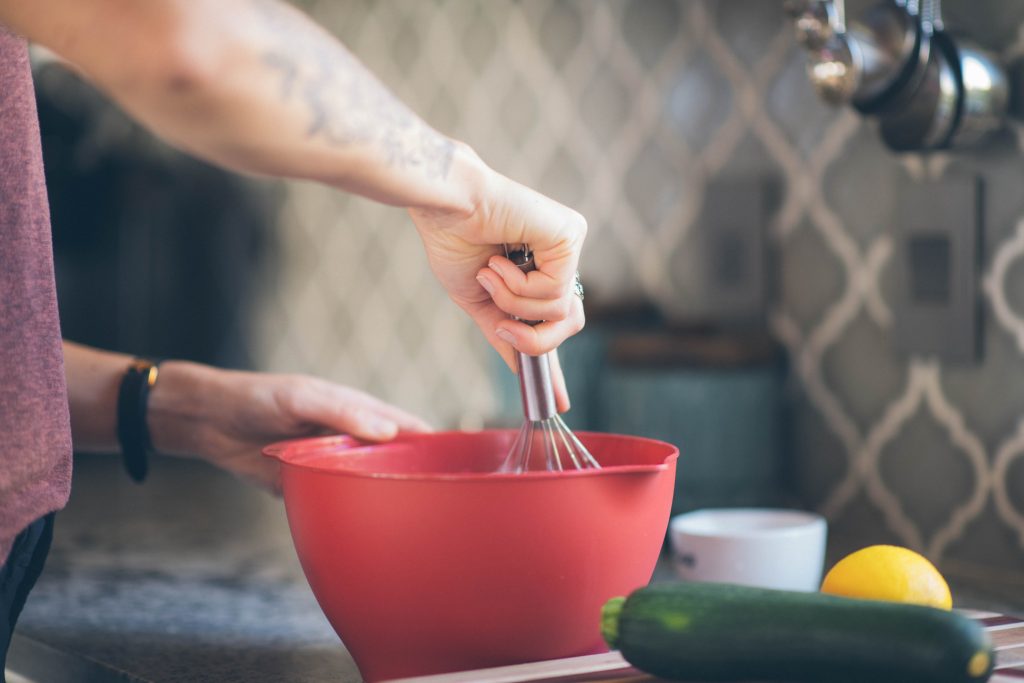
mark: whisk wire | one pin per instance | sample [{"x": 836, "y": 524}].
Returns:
[
  {"x": 565, "y": 442},
  {"x": 554, "y": 461},
  {"x": 578, "y": 447},
  {"x": 515, "y": 464}
]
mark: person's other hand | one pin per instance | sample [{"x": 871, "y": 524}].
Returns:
[
  {"x": 227, "y": 417},
  {"x": 465, "y": 254}
]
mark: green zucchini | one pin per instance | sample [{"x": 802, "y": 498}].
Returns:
[{"x": 719, "y": 632}]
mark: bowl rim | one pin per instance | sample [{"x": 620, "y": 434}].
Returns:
[{"x": 290, "y": 454}]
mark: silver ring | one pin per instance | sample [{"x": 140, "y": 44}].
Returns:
[{"x": 577, "y": 286}]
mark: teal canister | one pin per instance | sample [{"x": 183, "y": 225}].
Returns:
[{"x": 718, "y": 397}]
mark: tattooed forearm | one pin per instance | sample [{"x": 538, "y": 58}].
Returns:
[
  {"x": 286, "y": 69},
  {"x": 345, "y": 104}
]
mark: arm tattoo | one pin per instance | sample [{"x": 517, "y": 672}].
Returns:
[{"x": 345, "y": 103}]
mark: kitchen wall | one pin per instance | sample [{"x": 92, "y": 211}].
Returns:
[{"x": 627, "y": 111}]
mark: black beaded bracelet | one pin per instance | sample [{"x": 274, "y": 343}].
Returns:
[{"x": 132, "y": 403}]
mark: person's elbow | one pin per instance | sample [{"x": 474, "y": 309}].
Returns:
[
  {"x": 177, "y": 60},
  {"x": 186, "y": 64}
]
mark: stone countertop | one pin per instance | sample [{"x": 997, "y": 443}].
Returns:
[
  {"x": 192, "y": 577},
  {"x": 189, "y": 577}
]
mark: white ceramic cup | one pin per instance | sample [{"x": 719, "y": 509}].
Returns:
[{"x": 782, "y": 549}]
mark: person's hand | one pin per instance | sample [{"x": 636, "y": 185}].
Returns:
[
  {"x": 227, "y": 417},
  {"x": 465, "y": 253}
]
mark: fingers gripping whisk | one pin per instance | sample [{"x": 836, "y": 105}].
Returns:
[{"x": 544, "y": 442}]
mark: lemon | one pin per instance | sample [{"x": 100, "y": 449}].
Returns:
[{"x": 888, "y": 572}]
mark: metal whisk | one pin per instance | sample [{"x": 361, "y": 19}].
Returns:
[{"x": 544, "y": 442}]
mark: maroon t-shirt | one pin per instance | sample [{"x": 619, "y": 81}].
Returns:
[{"x": 35, "y": 430}]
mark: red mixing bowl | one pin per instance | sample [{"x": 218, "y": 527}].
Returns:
[{"x": 426, "y": 561}]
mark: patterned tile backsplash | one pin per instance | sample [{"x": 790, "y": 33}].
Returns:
[{"x": 628, "y": 110}]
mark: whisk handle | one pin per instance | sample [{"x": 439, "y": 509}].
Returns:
[
  {"x": 535, "y": 386},
  {"x": 534, "y": 371}
]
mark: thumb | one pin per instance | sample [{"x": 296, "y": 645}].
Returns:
[{"x": 558, "y": 382}]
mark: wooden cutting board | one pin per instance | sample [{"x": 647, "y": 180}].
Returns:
[{"x": 1007, "y": 635}]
